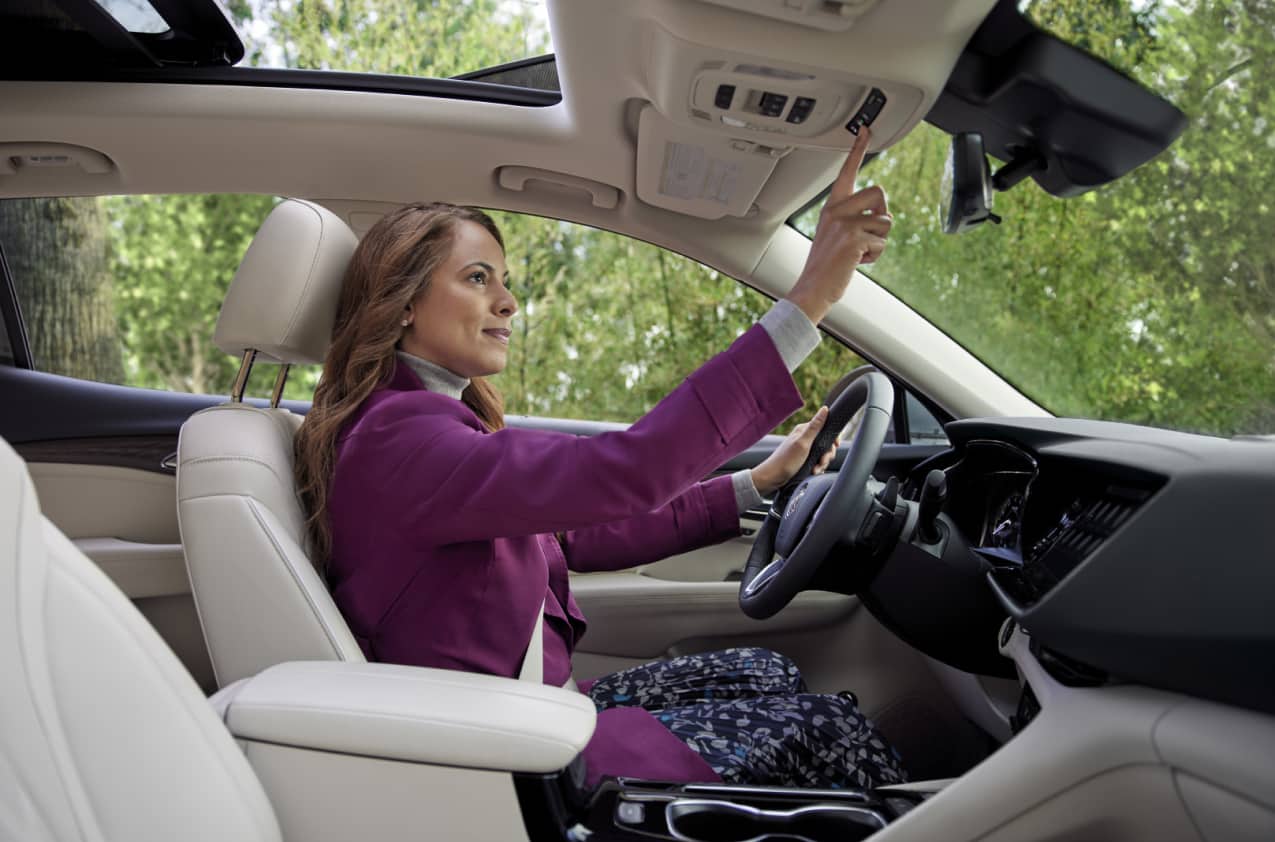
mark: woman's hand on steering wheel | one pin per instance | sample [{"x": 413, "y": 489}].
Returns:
[{"x": 787, "y": 459}]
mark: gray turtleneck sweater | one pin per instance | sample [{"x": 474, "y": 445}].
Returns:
[{"x": 794, "y": 336}]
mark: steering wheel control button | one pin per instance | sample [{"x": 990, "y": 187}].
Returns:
[
  {"x": 725, "y": 95},
  {"x": 873, "y": 528}
]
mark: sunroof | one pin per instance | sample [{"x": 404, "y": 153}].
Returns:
[
  {"x": 437, "y": 40},
  {"x": 64, "y": 39},
  {"x": 135, "y": 15}
]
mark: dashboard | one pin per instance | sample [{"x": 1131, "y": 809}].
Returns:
[{"x": 1138, "y": 555}]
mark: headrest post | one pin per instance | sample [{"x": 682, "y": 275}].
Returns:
[
  {"x": 241, "y": 379},
  {"x": 279, "y": 381}
]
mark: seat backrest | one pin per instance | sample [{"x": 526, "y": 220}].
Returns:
[
  {"x": 259, "y": 598},
  {"x": 103, "y": 733}
]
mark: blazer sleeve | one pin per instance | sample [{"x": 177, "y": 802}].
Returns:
[
  {"x": 704, "y": 514},
  {"x": 453, "y": 482}
]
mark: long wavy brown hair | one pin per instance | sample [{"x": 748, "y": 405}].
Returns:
[{"x": 391, "y": 266}]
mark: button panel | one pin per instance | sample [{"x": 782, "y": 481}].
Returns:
[
  {"x": 867, "y": 112},
  {"x": 801, "y": 109},
  {"x": 772, "y": 104}
]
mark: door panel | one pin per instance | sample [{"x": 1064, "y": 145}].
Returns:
[
  {"x": 103, "y": 501},
  {"x": 636, "y": 616},
  {"x": 125, "y": 519},
  {"x": 715, "y": 564}
]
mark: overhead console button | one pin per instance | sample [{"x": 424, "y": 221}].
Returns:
[
  {"x": 772, "y": 104},
  {"x": 801, "y": 109},
  {"x": 725, "y": 95},
  {"x": 867, "y": 112}
]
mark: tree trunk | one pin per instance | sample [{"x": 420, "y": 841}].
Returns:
[{"x": 57, "y": 253}]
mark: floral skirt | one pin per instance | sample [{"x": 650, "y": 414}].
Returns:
[{"x": 747, "y": 713}]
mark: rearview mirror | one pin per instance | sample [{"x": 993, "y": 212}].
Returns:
[{"x": 967, "y": 185}]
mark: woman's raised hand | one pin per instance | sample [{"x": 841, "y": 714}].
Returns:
[{"x": 853, "y": 227}]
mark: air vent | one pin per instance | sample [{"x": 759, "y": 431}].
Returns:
[
  {"x": 831, "y": 15},
  {"x": 1082, "y": 529}
]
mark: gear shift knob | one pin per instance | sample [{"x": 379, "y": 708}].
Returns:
[{"x": 933, "y": 496}]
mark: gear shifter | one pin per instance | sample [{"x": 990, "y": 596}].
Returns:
[{"x": 933, "y": 496}]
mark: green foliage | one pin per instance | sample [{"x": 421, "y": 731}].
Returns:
[
  {"x": 609, "y": 325},
  {"x": 428, "y": 38},
  {"x": 1151, "y": 300},
  {"x": 173, "y": 258}
]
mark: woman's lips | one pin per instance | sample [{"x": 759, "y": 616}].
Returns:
[{"x": 501, "y": 335}]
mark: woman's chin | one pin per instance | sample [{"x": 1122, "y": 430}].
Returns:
[{"x": 493, "y": 366}]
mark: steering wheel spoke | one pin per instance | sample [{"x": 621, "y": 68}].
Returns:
[{"x": 815, "y": 514}]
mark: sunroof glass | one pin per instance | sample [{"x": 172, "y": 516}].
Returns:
[
  {"x": 439, "y": 38},
  {"x": 135, "y": 15}
]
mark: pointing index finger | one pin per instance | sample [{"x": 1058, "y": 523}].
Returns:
[{"x": 845, "y": 184}]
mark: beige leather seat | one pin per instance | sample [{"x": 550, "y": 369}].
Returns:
[
  {"x": 259, "y": 599},
  {"x": 103, "y": 733}
]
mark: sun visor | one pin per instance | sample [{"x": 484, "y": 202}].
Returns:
[
  {"x": 1030, "y": 94},
  {"x": 700, "y": 173}
]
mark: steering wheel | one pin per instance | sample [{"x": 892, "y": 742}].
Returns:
[{"x": 812, "y": 514}]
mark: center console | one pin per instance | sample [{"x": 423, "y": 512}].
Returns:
[
  {"x": 342, "y": 748},
  {"x": 555, "y": 807}
]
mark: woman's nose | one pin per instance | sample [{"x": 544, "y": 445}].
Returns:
[{"x": 507, "y": 305}]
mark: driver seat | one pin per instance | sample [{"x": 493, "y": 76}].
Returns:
[{"x": 259, "y": 598}]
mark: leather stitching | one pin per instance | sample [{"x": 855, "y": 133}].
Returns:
[
  {"x": 199, "y": 460},
  {"x": 314, "y": 609}
]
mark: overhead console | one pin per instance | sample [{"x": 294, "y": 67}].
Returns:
[
  {"x": 773, "y": 101},
  {"x": 719, "y": 122}
]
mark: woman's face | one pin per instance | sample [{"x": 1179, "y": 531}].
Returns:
[{"x": 462, "y": 319}]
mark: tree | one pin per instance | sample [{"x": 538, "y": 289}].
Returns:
[
  {"x": 1150, "y": 300},
  {"x": 56, "y": 249},
  {"x": 173, "y": 258}
]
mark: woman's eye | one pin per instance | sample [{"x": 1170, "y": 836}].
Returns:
[{"x": 478, "y": 277}]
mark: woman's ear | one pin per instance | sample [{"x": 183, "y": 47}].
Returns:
[{"x": 408, "y": 315}]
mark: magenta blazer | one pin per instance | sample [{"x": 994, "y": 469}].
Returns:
[{"x": 447, "y": 539}]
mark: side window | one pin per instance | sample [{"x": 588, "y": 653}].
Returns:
[
  {"x": 923, "y": 427},
  {"x": 608, "y": 325},
  {"x": 126, "y": 289},
  {"x": 6, "y": 350}
]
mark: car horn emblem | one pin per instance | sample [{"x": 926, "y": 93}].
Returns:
[{"x": 796, "y": 498}]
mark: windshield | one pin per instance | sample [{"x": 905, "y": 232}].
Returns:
[
  {"x": 425, "y": 38},
  {"x": 1151, "y": 300}
]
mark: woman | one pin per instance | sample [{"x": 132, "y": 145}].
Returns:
[{"x": 444, "y": 535}]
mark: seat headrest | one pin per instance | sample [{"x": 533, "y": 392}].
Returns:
[{"x": 283, "y": 299}]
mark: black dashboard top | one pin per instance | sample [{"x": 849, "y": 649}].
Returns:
[{"x": 1147, "y": 554}]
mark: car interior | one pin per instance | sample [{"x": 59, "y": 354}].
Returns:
[{"x": 1061, "y": 624}]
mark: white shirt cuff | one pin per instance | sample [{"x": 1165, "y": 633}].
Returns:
[
  {"x": 794, "y": 335},
  {"x": 746, "y": 494}
]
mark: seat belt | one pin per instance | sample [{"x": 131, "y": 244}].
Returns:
[{"x": 533, "y": 663}]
